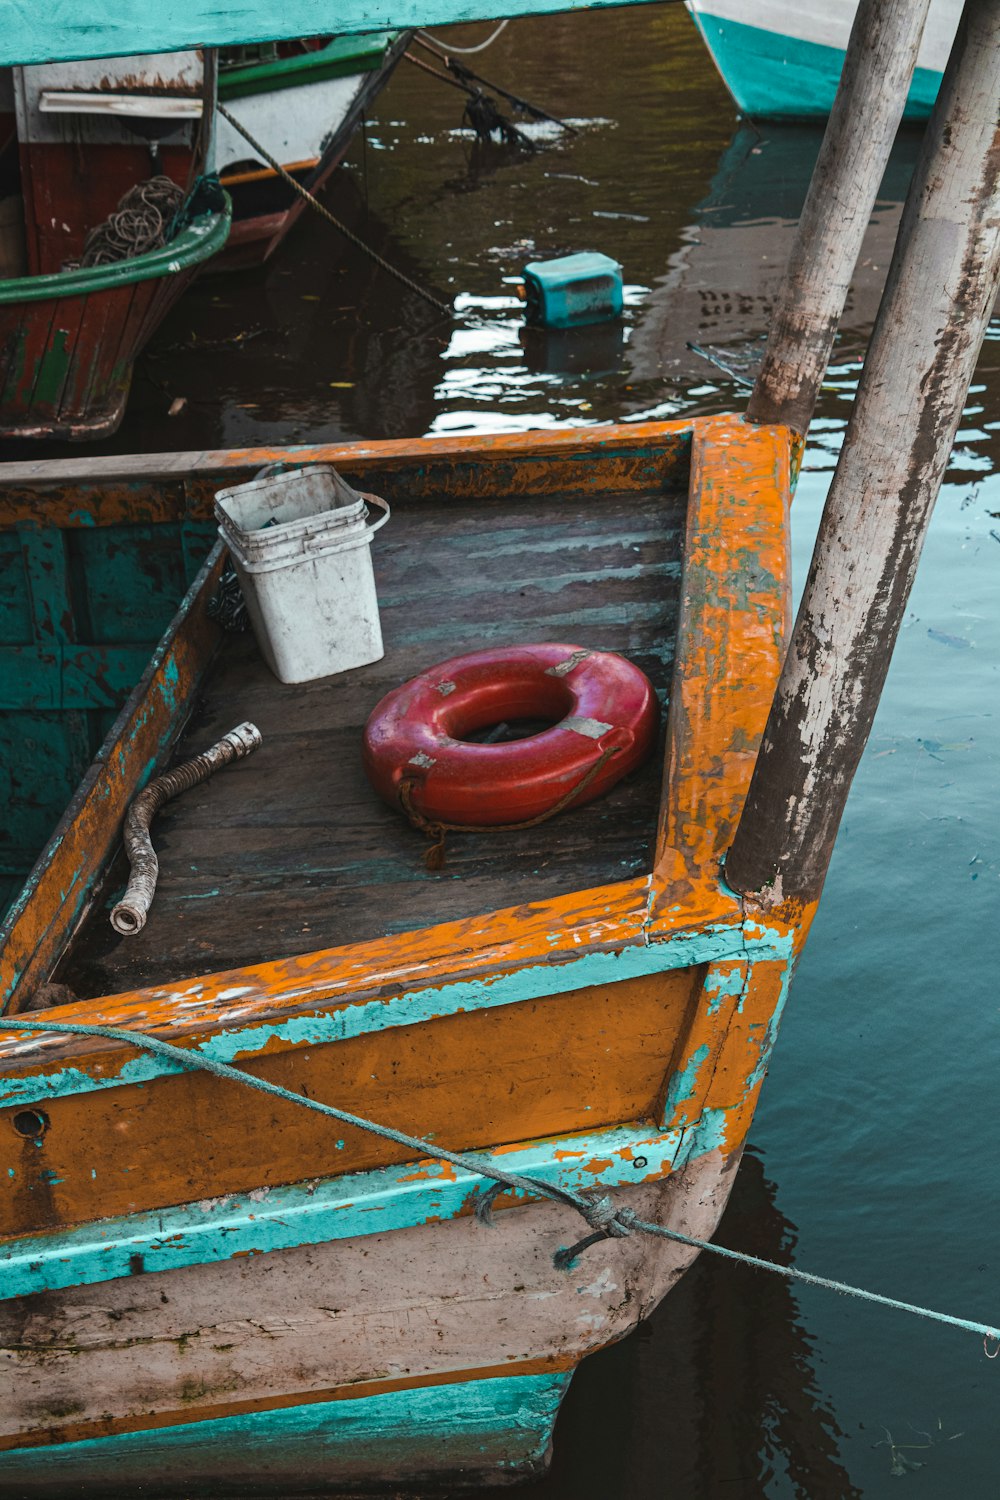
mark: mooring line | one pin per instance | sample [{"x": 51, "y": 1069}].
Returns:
[
  {"x": 449, "y": 49},
  {"x": 603, "y": 1217},
  {"x": 313, "y": 201}
]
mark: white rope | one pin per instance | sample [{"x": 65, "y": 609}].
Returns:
[{"x": 449, "y": 51}]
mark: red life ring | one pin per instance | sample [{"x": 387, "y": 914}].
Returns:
[{"x": 417, "y": 751}]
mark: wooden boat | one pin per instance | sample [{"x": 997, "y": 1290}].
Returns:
[
  {"x": 581, "y": 1002},
  {"x": 70, "y": 331},
  {"x": 78, "y": 135},
  {"x": 782, "y": 59},
  {"x": 70, "y": 338},
  {"x": 303, "y": 102},
  {"x": 204, "y": 1294}
]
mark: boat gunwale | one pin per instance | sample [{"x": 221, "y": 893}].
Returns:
[
  {"x": 203, "y": 237},
  {"x": 30, "y": 486},
  {"x": 342, "y": 57},
  {"x": 680, "y": 897}
]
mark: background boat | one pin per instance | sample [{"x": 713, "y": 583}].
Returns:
[
  {"x": 303, "y": 101},
  {"x": 76, "y": 137},
  {"x": 781, "y": 59},
  {"x": 100, "y": 242},
  {"x": 70, "y": 338}
]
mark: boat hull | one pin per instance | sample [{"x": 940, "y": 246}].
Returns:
[
  {"x": 303, "y": 108},
  {"x": 208, "y": 1284},
  {"x": 442, "y": 1349},
  {"x": 489, "y": 1429},
  {"x": 69, "y": 341},
  {"x": 308, "y": 126},
  {"x": 782, "y": 61}
]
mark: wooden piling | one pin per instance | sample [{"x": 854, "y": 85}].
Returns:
[
  {"x": 939, "y": 295},
  {"x": 876, "y": 78}
]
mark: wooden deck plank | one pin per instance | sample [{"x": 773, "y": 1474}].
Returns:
[
  {"x": 88, "y": 490},
  {"x": 291, "y": 851}
]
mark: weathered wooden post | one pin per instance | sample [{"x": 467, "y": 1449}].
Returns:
[
  {"x": 876, "y": 77},
  {"x": 940, "y": 291}
]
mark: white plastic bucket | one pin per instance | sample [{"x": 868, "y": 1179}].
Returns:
[{"x": 300, "y": 544}]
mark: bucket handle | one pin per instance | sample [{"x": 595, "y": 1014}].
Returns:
[
  {"x": 383, "y": 505},
  {"x": 324, "y": 542}
]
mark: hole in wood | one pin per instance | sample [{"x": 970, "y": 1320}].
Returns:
[{"x": 30, "y": 1123}]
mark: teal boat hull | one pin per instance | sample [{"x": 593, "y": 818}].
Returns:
[
  {"x": 773, "y": 76},
  {"x": 487, "y": 1428}
]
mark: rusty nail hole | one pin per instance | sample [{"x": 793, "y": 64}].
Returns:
[
  {"x": 639, "y": 1163},
  {"x": 31, "y": 1123}
]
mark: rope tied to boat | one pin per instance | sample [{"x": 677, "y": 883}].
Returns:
[
  {"x": 481, "y": 112},
  {"x": 438, "y": 831},
  {"x": 473, "y": 83},
  {"x": 467, "y": 51},
  {"x": 607, "y": 1220},
  {"x": 324, "y": 213}
]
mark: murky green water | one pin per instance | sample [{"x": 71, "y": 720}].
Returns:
[{"x": 874, "y": 1150}]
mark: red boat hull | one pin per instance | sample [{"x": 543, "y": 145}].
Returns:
[{"x": 68, "y": 343}]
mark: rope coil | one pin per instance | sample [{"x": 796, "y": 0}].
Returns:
[{"x": 142, "y": 221}]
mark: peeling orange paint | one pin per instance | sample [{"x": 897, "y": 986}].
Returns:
[{"x": 591, "y": 1043}]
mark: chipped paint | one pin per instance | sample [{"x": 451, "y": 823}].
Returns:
[
  {"x": 502, "y": 1423},
  {"x": 114, "y": 1068},
  {"x": 268, "y": 1219},
  {"x": 60, "y": 387},
  {"x": 662, "y": 992},
  {"x": 684, "y": 1083}
]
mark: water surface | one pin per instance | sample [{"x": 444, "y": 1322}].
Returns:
[{"x": 872, "y": 1155}]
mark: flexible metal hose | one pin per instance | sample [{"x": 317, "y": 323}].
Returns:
[{"x": 129, "y": 916}]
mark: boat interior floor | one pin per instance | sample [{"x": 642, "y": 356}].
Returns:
[{"x": 291, "y": 851}]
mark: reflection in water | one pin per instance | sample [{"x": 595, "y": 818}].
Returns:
[
  {"x": 595, "y": 350},
  {"x": 279, "y": 354},
  {"x": 715, "y": 1396},
  {"x": 721, "y": 285}
]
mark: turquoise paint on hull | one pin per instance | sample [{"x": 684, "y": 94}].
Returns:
[
  {"x": 708, "y": 1134},
  {"x": 406, "y": 1009},
  {"x": 501, "y": 1426},
  {"x": 757, "y": 1073},
  {"x": 777, "y": 77},
  {"x": 311, "y": 1213},
  {"x": 721, "y": 985},
  {"x": 684, "y": 1083},
  {"x": 81, "y": 611},
  {"x": 114, "y": 28}
]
